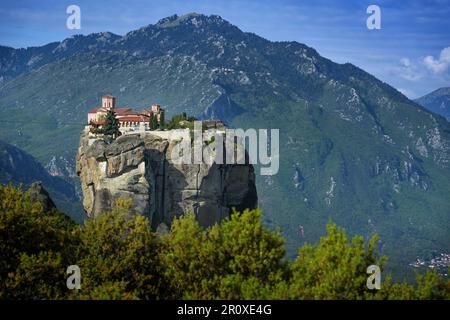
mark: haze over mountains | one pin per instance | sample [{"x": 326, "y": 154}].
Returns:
[{"x": 352, "y": 148}]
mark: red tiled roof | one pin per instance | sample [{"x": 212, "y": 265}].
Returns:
[
  {"x": 123, "y": 110},
  {"x": 93, "y": 110},
  {"x": 98, "y": 122},
  {"x": 133, "y": 118}
]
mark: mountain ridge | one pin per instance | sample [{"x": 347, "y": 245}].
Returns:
[{"x": 437, "y": 101}]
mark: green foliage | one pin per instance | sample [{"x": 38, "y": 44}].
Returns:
[
  {"x": 335, "y": 268},
  {"x": 118, "y": 253},
  {"x": 225, "y": 261},
  {"x": 153, "y": 121},
  {"x": 120, "y": 257},
  {"x": 37, "y": 276},
  {"x": 35, "y": 247},
  {"x": 162, "y": 121},
  {"x": 111, "y": 126},
  {"x": 429, "y": 286},
  {"x": 106, "y": 291},
  {"x": 180, "y": 121}
]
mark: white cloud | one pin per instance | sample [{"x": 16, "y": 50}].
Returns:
[
  {"x": 405, "y": 62},
  {"x": 407, "y": 70},
  {"x": 439, "y": 65}
]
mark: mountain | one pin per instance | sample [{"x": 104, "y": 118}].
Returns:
[
  {"x": 13, "y": 62},
  {"x": 20, "y": 168},
  {"x": 352, "y": 148},
  {"x": 437, "y": 101}
]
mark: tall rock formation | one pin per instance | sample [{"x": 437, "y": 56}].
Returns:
[{"x": 139, "y": 166}]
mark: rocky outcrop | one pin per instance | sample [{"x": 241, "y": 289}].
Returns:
[
  {"x": 139, "y": 166},
  {"x": 39, "y": 194}
]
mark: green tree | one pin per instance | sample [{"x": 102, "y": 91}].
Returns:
[
  {"x": 335, "y": 268},
  {"x": 428, "y": 286},
  {"x": 153, "y": 121},
  {"x": 162, "y": 122},
  {"x": 118, "y": 253},
  {"x": 238, "y": 258},
  {"x": 111, "y": 126},
  {"x": 35, "y": 248},
  {"x": 38, "y": 276}
]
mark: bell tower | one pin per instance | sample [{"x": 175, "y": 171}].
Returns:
[{"x": 108, "y": 102}]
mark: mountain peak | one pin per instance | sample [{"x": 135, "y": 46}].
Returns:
[
  {"x": 437, "y": 101},
  {"x": 192, "y": 18}
]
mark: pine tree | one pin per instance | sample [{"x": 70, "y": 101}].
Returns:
[{"x": 111, "y": 126}]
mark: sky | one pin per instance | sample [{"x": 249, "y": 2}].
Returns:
[{"x": 411, "y": 51}]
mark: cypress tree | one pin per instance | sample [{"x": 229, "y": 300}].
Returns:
[
  {"x": 162, "y": 121},
  {"x": 111, "y": 126},
  {"x": 153, "y": 122}
]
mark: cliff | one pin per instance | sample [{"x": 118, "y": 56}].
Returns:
[{"x": 139, "y": 166}]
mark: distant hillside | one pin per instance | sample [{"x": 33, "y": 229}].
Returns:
[
  {"x": 352, "y": 148},
  {"x": 20, "y": 168},
  {"x": 437, "y": 101}
]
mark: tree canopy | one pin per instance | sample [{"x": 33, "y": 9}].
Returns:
[{"x": 120, "y": 257}]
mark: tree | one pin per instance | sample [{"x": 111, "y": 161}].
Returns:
[
  {"x": 162, "y": 122},
  {"x": 35, "y": 248},
  {"x": 153, "y": 121},
  {"x": 429, "y": 286},
  {"x": 37, "y": 276},
  {"x": 236, "y": 259},
  {"x": 150, "y": 122},
  {"x": 118, "y": 256},
  {"x": 335, "y": 268},
  {"x": 111, "y": 125}
]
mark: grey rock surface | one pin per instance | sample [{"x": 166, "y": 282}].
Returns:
[
  {"x": 139, "y": 166},
  {"x": 39, "y": 194}
]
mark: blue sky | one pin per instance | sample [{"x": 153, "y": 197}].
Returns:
[{"x": 409, "y": 52}]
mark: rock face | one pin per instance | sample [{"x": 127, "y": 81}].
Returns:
[
  {"x": 39, "y": 194},
  {"x": 139, "y": 166}
]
